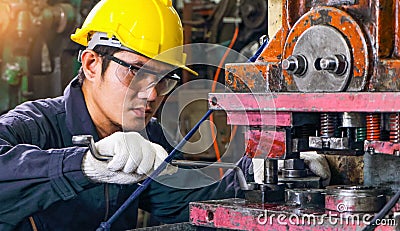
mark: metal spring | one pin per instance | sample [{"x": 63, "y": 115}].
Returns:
[
  {"x": 394, "y": 123},
  {"x": 361, "y": 134},
  {"x": 373, "y": 127},
  {"x": 328, "y": 124},
  {"x": 306, "y": 131}
]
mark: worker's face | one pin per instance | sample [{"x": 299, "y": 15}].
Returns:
[{"x": 129, "y": 97}]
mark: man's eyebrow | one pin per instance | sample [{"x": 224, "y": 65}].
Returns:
[
  {"x": 141, "y": 66},
  {"x": 137, "y": 64}
]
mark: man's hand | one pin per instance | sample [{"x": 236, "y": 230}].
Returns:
[
  {"x": 318, "y": 165},
  {"x": 133, "y": 158}
]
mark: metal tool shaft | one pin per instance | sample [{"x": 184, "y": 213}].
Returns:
[
  {"x": 89, "y": 141},
  {"x": 242, "y": 180}
]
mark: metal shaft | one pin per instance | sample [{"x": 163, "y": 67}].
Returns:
[
  {"x": 271, "y": 171},
  {"x": 238, "y": 171}
]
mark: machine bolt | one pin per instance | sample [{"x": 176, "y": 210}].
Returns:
[
  {"x": 295, "y": 64},
  {"x": 371, "y": 150},
  {"x": 289, "y": 64},
  {"x": 214, "y": 101},
  {"x": 328, "y": 64},
  {"x": 336, "y": 64}
]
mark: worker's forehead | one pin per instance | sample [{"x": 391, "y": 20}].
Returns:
[{"x": 136, "y": 59}]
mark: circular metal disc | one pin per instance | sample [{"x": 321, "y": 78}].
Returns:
[
  {"x": 318, "y": 42},
  {"x": 253, "y": 12}
]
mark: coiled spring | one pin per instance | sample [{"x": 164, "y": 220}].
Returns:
[
  {"x": 328, "y": 124},
  {"x": 361, "y": 134},
  {"x": 373, "y": 127},
  {"x": 394, "y": 123}
]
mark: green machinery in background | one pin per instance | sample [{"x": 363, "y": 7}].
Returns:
[{"x": 37, "y": 57}]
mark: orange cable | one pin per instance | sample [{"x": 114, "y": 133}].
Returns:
[{"x": 214, "y": 86}]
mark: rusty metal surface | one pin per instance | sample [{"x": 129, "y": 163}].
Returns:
[
  {"x": 346, "y": 169},
  {"x": 253, "y": 77},
  {"x": 386, "y": 76},
  {"x": 371, "y": 28},
  {"x": 322, "y": 45},
  {"x": 246, "y": 77},
  {"x": 382, "y": 147},
  {"x": 347, "y": 26},
  {"x": 396, "y": 51},
  {"x": 262, "y": 144},
  {"x": 307, "y": 102},
  {"x": 236, "y": 214},
  {"x": 384, "y": 27},
  {"x": 273, "y": 52}
]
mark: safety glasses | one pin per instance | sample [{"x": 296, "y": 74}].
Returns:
[{"x": 140, "y": 78}]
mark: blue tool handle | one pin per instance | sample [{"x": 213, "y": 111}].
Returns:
[{"x": 105, "y": 226}]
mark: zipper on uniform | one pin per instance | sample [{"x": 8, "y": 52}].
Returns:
[{"x": 107, "y": 197}]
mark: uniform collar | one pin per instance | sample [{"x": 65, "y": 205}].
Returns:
[{"x": 78, "y": 119}]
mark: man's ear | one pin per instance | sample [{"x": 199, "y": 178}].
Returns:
[{"x": 91, "y": 64}]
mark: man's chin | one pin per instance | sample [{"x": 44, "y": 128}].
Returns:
[
  {"x": 133, "y": 128},
  {"x": 136, "y": 124},
  {"x": 134, "y": 120}
]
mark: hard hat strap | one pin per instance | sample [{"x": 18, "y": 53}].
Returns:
[{"x": 101, "y": 38}]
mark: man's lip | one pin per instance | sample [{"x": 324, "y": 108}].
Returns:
[
  {"x": 139, "y": 109},
  {"x": 144, "y": 110}
]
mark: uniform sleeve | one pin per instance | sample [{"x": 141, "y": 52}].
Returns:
[
  {"x": 170, "y": 204},
  {"x": 32, "y": 179}
]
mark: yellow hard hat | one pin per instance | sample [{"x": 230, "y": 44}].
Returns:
[{"x": 149, "y": 27}]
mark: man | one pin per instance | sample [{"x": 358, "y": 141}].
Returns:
[{"x": 47, "y": 183}]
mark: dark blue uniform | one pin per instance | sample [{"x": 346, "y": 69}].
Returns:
[{"x": 41, "y": 176}]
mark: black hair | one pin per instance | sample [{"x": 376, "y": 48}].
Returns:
[{"x": 102, "y": 50}]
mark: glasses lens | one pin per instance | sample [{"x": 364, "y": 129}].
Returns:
[
  {"x": 166, "y": 85},
  {"x": 125, "y": 75},
  {"x": 142, "y": 79}
]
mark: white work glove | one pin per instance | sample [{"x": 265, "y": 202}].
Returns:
[
  {"x": 133, "y": 159},
  {"x": 318, "y": 165}
]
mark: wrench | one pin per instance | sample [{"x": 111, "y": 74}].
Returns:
[{"x": 89, "y": 141}]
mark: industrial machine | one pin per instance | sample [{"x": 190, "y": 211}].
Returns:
[
  {"x": 327, "y": 82},
  {"x": 37, "y": 57}
]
